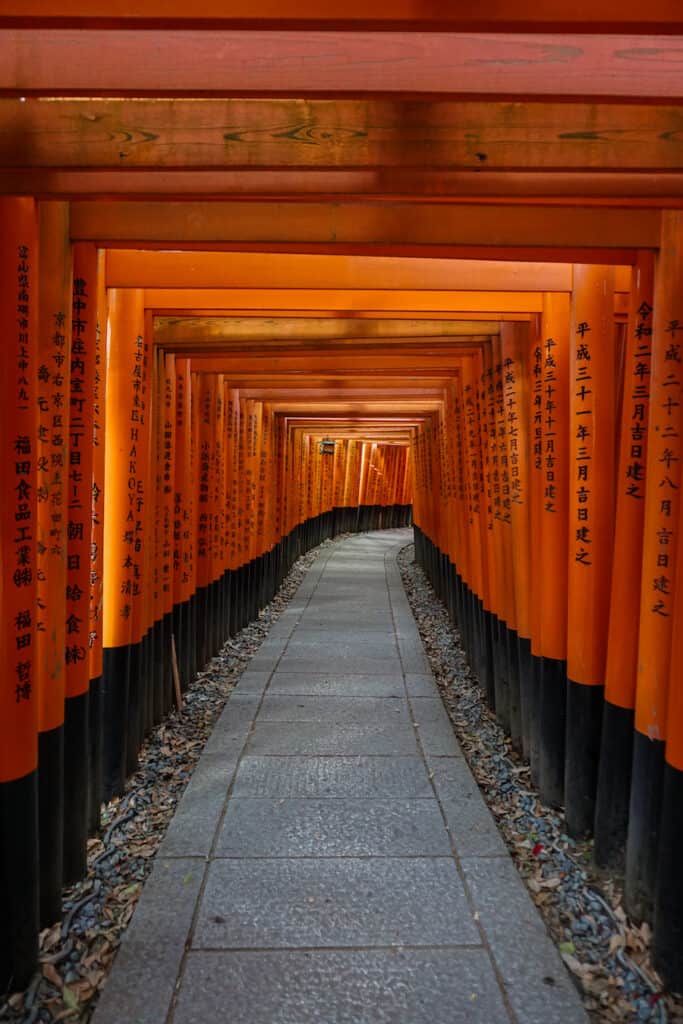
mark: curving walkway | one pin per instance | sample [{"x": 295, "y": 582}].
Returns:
[{"x": 332, "y": 859}]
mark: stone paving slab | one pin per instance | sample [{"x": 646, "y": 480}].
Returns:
[
  {"x": 377, "y": 649},
  {"x": 409, "y": 986},
  {"x": 193, "y": 827},
  {"x": 332, "y": 828},
  {"x": 421, "y": 684},
  {"x": 332, "y": 860},
  {"x": 469, "y": 820},
  {"x": 298, "y": 683},
  {"x": 372, "y": 738},
  {"x": 351, "y": 710},
  {"x": 353, "y": 664},
  {"x": 318, "y": 903},
  {"x": 434, "y": 726},
  {"x": 536, "y": 982},
  {"x": 333, "y": 777},
  {"x": 140, "y": 988}
]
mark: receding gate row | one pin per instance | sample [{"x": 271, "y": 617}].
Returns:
[
  {"x": 548, "y": 514},
  {"x": 141, "y": 500}
]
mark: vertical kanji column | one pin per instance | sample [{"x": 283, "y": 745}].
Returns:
[
  {"x": 667, "y": 942},
  {"x": 79, "y": 527},
  {"x": 18, "y": 530},
  {"x": 95, "y": 612},
  {"x": 616, "y": 745},
  {"x": 552, "y": 592},
  {"x": 232, "y": 509},
  {"x": 658, "y": 583},
  {"x": 54, "y": 336},
  {"x": 591, "y": 510},
  {"x": 168, "y": 487},
  {"x": 124, "y": 356},
  {"x": 182, "y": 518},
  {"x": 205, "y": 469},
  {"x": 514, "y": 352}
]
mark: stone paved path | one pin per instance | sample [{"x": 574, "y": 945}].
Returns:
[{"x": 332, "y": 859}]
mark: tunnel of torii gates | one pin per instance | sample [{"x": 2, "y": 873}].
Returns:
[{"x": 271, "y": 274}]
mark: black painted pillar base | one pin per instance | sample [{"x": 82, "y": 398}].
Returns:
[
  {"x": 614, "y": 787},
  {"x": 193, "y": 665},
  {"x": 147, "y": 680},
  {"x": 512, "y": 662},
  {"x": 533, "y": 675},
  {"x": 96, "y": 753},
  {"x": 500, "y": 672},
  {"x": 134, "y": 725},
  {"x": 526, "y": 706},
  {"x": 18, "y": 882},
  {"x": 582, "y": 756},
  {"x": 642, "y": 846},
  {"x": 553, "y": 714},
  {"x": 158, "y": 694},
  {"x": 488, "y": 679},
  {"x": 667, "y": 941},
  {"x": 115, "y": 688},
  {"x": 50, "y": 823},
  {"x": 76, "y": 756},
  {"x": 201, "y": 598}
]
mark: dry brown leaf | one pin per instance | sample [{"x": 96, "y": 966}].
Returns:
[{"x": 52, "y": 974}]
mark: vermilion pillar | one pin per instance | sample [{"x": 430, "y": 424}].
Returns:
[
  {"x": 658, "y": 582},
  {"x": 19, "y": 453},
  {"x": 552, "y": 563},
  {"x": 53, "y": 375},
  {"x": 79, "y": 549},
  {"x": 95, "y": 612},
  {"x": 616, "y": 748},
  {"x": 124, "y": 357},
  {"x": 591, "y": 510}
]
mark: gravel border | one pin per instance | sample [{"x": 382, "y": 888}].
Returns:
[
  {"x": 77, "y": 952},
  {"x": 607, "y": 954}
]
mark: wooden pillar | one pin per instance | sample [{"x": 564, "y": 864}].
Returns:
[
  {"x": 660, "y": 542},
  {"x": 616, "y": 748},
  {"x": 553, "y": 563},
  {"x": 124, "y": 355},
  {"x": 514, "y": 352},
  {"x": 53, "y": 368},
  {"x": 95, "y": 636},
  {"x": 19, "y": 453},
  {"x": 79, "y": 529},
  {"x": 667, "y": 943},
  {"x": 591, "y": 509}
]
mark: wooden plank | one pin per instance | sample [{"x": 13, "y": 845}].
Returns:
[
  {"x": 350, "y": 302},
  {"x": 266, "y": 332},
  {"x": 128, "y": 268},
  {"x": 357, "y": 223},
  {"x": 180, "y": 60},
  {"x": 286, "y": 132},
  {"x": 593, "y": 188},
  {"x": 507, "y": 15}
]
